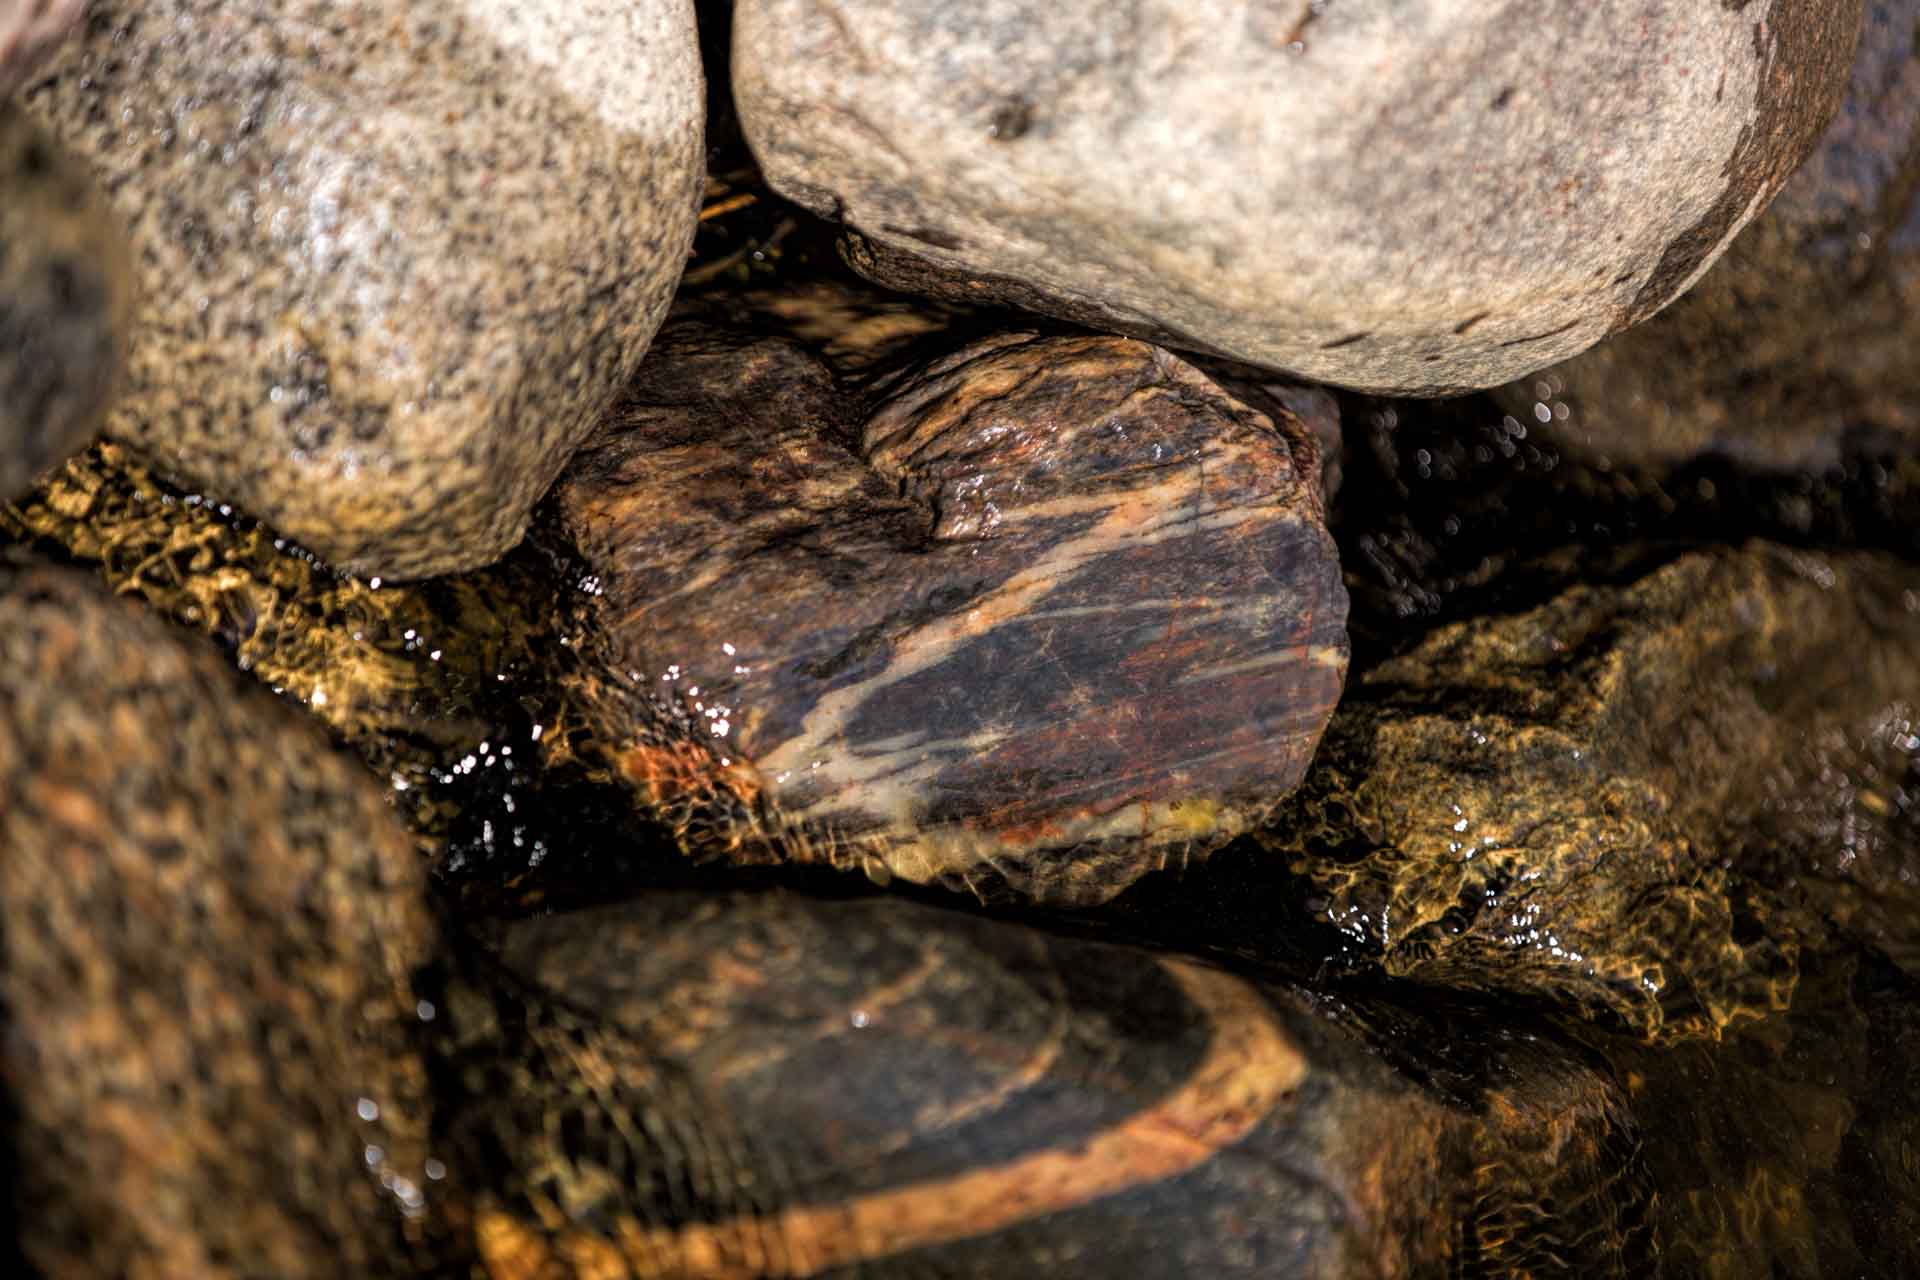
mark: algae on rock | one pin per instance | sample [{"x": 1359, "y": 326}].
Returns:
[{"x": 1561, "y": 803}]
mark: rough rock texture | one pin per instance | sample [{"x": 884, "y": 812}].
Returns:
[
  {"x": 1797, "y": 348},
  {"x": 421, "y": 679},
  {"x": 1417, "y": 197},
  {"x": 395, "y": 260},
  {"x": 30, "y": 30},
  {"x": 1596, "y": 801},
  {"x": 1038, "y": 614},
  {"x": 66, "y": 295},
  {"x": 210, "y": 928},
  {"x": 760, "y": 1084}
]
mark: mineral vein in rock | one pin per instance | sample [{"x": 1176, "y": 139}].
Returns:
[{"x": 1068, "y": 610}]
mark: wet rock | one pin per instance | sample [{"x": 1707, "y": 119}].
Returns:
[
  {"x": 1440, "y": 196},
  {"x": 1778, "y": 1149},
  {"x": 1796, "y": 349},
  {"x": 210, "y": 928},
  {"x": 65, "y": 300},
  {"x": 30, "y": 30},
  {"x": 425, "y": 681},
  {"x": 1036, "y": 614},
  {"x": 1593, "y": 802},
  {"x": 765, "y": 1084},
  {"x": 394, "y": 268}
]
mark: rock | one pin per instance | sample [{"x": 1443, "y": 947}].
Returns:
[
  {"x": 1795, "y": 350},
  {"x": 210, "y": 927},
  {"x": 1036, "y": 614},
  {"x": 1419, "y": 198},
  {"x": 30, "y": 30},
  {"x": 1598, "y": 802},
  {"x": 394, "y": 267},
  {"x": 1778, "y": 1149},
  {"x": 65, "y": 301},
  {"x": 425, "y": 681},
  {"x": 760, "y": 1084}
]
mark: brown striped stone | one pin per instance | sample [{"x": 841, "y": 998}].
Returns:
[
  {"x": 1039, "y": 613},
  {"x": 767, "y": 1085}
]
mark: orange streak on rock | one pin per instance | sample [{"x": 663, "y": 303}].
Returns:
[{"x": 1249, "y": 1069}]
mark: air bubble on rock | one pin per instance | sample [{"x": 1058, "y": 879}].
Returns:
[{"x": 367, "y": 1109}]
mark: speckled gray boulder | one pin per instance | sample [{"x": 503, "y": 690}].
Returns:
[
  {"x": 29, "y": 32},
  {"x": 1798, "y": 348},
  {"x": 66, "y": 297},
  {"x": 395, "y": 257},
  {"x": 1415, "y": 196}
]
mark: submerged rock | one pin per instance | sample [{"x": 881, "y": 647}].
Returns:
[
  {"x": 769, "y": 1085},
  {"x": 1786, "y": 1149},
  {"x": 211, "y": 925},
  {"x": 1038, "y": 613},
  {"x": 395, "y": 265},
  {"x": 1593, "y": 802},
  {"x": 421, "y": 679},
  {"x": 1797, "y": 348},
  {"x": 1420, "y": 198},
  {"x": 66, "y": 294}
]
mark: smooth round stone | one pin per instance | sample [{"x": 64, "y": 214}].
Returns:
[
  {"x": 209, "y": 925},
  {"x": 761, "y": 1084},
  {"x": 395, "y": 259},
  {"x": 66, "y": 297},
  {"x": 1039, "y": 614},
  {"x": 1419, "y": 197},
  {"x": 1796, "y": 350}
]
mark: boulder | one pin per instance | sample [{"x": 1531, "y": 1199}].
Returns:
[
  {"x": 209, "y": 926},
  {"x": 1025, "y": 613},
  {"x": 1796, "y": 350},
  {"x": 30, "y": 30},
  {"x": 66, "y": 297},
  {"x": 395, "y": 261},
  {"x": 1638, "y": 800},
  {"x": 1420, "y": 197},
  {"x": 764, "y": 1084}
]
